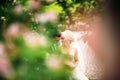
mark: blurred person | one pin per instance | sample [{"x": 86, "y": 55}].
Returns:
[
  {"x": 85, "y": 64},
  {"x": 71, "y": 46}
]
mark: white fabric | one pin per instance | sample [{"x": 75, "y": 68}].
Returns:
[
  {"x": 88, "y": 66},
  {"x": 88, "y": 63},
  {"x": 78, "y": 72}
]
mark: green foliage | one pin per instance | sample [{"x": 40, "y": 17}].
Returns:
[{"x": 54, "y": 7}]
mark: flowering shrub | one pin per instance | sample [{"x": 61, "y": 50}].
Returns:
[{"x": 28, "y": 50}]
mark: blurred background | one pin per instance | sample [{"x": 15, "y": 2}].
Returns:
[{"x": 28, "y": 49}]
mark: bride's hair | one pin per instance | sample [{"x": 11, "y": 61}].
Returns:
[{"x": 67, "y": 35}]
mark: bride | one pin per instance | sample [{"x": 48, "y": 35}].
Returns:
[{"x": 83, "y": 62}]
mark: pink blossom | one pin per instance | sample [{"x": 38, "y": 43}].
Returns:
[
  {"x": 52, "y": 16},
  {"x": 33, "y": 4},
  {"x": 18, "y": 9},
  {"x": 33, "y": 39},
  {"x": 14, "y": 1},
  {"x": 5, "y": 67},
  {"x": 54, "y": 62},
  {"x": 13, "y": 29},
  {"x": 48, "y": 16},
  {"x": 41, "y": 18}
]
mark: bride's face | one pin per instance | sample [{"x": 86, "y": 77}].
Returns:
[{"x": 65, "y": 38}]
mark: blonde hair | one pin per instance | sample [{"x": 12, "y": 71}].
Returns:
[{"x": 68, "y": 35}]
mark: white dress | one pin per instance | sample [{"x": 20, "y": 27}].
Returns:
[
  {"x": 78, "y": 72},
  {"x": 88, "y": 66}
]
